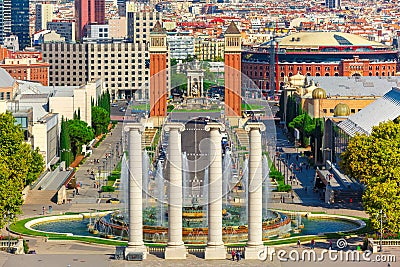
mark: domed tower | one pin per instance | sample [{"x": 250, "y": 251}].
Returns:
[
  {"x": 232, "y": 75},
  {"x": 341, "y": 110},
  {"x": 318, "y": 95}
]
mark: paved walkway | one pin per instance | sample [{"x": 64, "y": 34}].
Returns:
[
  {"x": 305, "y": 198},
  {"x": 110, "y": 146}
]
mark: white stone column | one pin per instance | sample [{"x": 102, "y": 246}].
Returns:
[
  {"x": 175, "y": 248},
  {"x": 254, "y": 242},
  {"x": 215, "y": 246},
  {"x": 135, "y": 243}
]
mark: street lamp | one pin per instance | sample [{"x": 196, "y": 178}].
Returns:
[
  {"x": 381, "y": 235},
  {"x": 7, "y": 217}
]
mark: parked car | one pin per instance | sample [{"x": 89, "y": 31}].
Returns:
[{"x": 113, "y": 200}]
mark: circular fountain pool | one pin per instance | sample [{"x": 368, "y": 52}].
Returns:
[{"x": 312, "y": 226}]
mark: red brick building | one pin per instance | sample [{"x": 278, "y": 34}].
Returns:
[
  {"x": 28, "y": 66},
  {"x": 319, "y": 54}
]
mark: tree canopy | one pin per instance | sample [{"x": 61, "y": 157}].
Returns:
[
  {"x": 375, "y": 161},
  {"x": 79, "y": 133},
  {"x": 19, "y": 165},
  {"x": 100, "y": 120}
]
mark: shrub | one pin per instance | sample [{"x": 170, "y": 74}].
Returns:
[
  {"x": 107, "y": 188},
  {"x": 26, "y": 246},
  {"x": 283, "y": 188}
]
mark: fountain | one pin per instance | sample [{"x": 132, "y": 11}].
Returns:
[
  {"x": 145, "y": 177},
  {"x": 185, "y": 179},
  {"x": 244, "y": 182},
  {"x": 227, "y": 174},
  {"x": 124, "y": 199},
  {"x": 159, "y": 179},
  {"x": 266, "y": 186},
  {"x": 205, "y": 197}
]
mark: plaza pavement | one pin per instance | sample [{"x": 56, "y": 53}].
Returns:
[{"x": 70, "y": 253}]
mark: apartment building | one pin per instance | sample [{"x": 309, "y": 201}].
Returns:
[
  {"x": 180, "y": 46},
  {"x": 140, "y": 25},
  {"x": 121, "y": 66},
  {"x": 209, "y": 49}
]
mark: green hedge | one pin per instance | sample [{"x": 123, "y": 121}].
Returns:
[{"x": 107, "y": 188}]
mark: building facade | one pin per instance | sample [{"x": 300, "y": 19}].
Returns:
[
  {"x": 207, "y": 49},
  {"x": 318, "y": 54},
  {"x": 20, "y": 21},
  {"x": 332, "y": 3},
  {"x": 44, "y": 14},
  {"x": 65, "y": 28},
  {"x": 84, "y": 15},
  {"x": 100, "y": 12},
  {"x": 180, "y": 46},
  {"x": 5, "y": 19},
  {"x": 139, "y": 25},
  {"x": 77, "y": 64}
]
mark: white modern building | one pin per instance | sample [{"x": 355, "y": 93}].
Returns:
[{"x": 180, "y": 45}]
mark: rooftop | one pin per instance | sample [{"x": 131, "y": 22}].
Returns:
[
  {"x": 317, "y": 39},
  {"x": 384, "y": 109},
  {"x": 5, "y": 79},
  {"x": 355, "y": 86}
]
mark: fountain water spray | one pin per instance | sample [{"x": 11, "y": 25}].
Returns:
[
  {"x": 206, "y": 188},
  {"x": 159, "y": 179},
  {"x": 245, "y": 187},
  {"x": 266, "y": 186},
  {"x": 145, "y": 177},
  {"x": 226, "y": 175},
  {"x": 185, "y": 179},
  {"x": 123, "y": 185}
]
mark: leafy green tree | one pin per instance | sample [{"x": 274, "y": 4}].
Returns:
[
  {"x": 36, "y": 166},
  {"x": 218, "y": 59},
  {"x": 174, "y": 62},
  {"x": 80, "y": 133},
  {"x": 100, "y": 120},
  {"x": 179, "y": 80},
  {"x": 375, "y": 161},
  {"x": 17, "y": 166}
]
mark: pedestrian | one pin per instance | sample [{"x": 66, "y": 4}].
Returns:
[
  {"x": 298, "y": 243},
  {"x": 330, "y": 244},
  {"x": 237, "y": 255},
  {"x": 312, "y": 244},
  {"x": 43, "y": 210},
  {"x": 283, "y": 199},
  {"x": 292, "y": 197},
  {"x": 233, "y": 255}
]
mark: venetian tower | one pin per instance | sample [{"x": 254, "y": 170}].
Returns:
[
  {"x": 158, "y": 73},
  {"x": 233, "y": 79}
]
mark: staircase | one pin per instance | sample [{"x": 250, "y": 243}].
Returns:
[
  {"x": 148, "y": 137},
  {"x": 40, "y": 197},
  {"x": 243, "y": 137}
]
